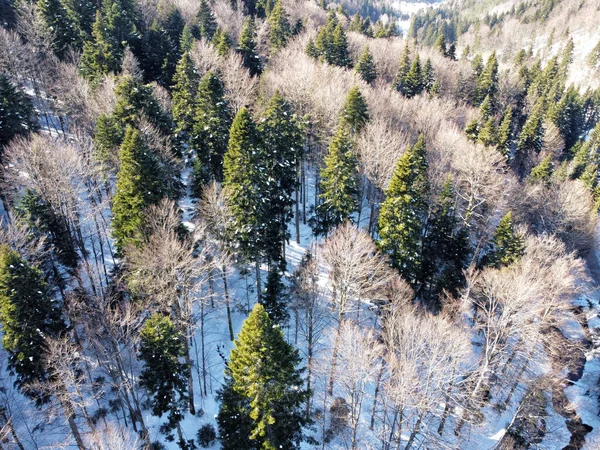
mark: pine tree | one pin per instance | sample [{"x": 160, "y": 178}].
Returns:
[
  {"x": 138, "y": 186},
  {"x": 366, "y": 67},
  {"x": 403, "y": 212},
  {"x": 187, "y": 39},
  {"x": 210, "y": 130},
  {"x": 323, "y": 46},
  {"x": 206, "y": 22},
  {"x": 531, "y": 137},
  {"x": 264, "y": 7},
  {"x": 428, "y": 77},
  {"x": 543, "y": 171},
  {"x": 243, "y": 179},
  {"x": 65, "y": 32},
  {"x": 487, "y": 134},
  {"x": 338, "y": 183},
  {"x": 274, "y": 299},
  {"x": 184, "y": 91},
  {"x": 17, "y": 116},
  {"x": 311, "y": 49},
  {"x": 280, "y": 30},
  {"x": 504, "y": 135},
  {"x": 262, "y": 396},
  {"x": 486, "y": 108},
  {"x": 487, "y": 83},
  {"x": 355, "y": 113},
  {"x": 283, "y": 140},
  {"x": 28, "y": 316},
  {"x": 340, "y": 48},
  {"x": 399, "y": 82},
  {"x": 222, "y": 42},
  {"x": 507, "y": 246},
  {"x": 82, "y": 14},
  {"x": 248, "y": 48},
  {"x": 472, "y": 130},
  {"x": 164, "y": 376},
  {"x": 440, "y": 45},
  {"x": 413, "y": 84}
]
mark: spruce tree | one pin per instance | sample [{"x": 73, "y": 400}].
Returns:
[
  {"x": 366, "y": 67},
  {"x": 280, "y": 30},
  {"x": 404, "y": 211},
  {"x": 184, "y": 91},
  {"x": 487, "y": 134},
  {"x": 428, "y": 77},
  {"x": 222, "y": 42},
  {"x": 244, "y": 181},
  {"x": 65, "y": 32},
  {"x": 311, "y": 49},
  {"x": 399, "y": 82},
  {"x": 17, "y": 116},
  {"x": 341, "y": 56},
  {"x": 211, "y": 130},
  {"x": 338, "y": 183},
  {"x": 413, "y": 83},
  {"x": 531, "y": 137},
  {"x": 487, "y": 83},
  {"x": 164, "y": 375},
  {"x": 507, "y": 246},
  {"x": 274, "y": 299},
  {"x": 504, "y": 135},
  {"x": 28, "y": 316},
  {"x": 248, "y": 48},
  {"x": 187, "y": 39},
  {"x": 206, "y": 23},
  {"x": 543, "y": 171},
  {"x": 283, "y": 140},
  {"x": 138, "y": 186},
  {"x": 355, "y": 113},
  {"x": 262, "y": 397},
  {"x": 440, "y": 45}
]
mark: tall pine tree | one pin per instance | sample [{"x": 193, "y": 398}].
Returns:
[
  {"x": 184, "y": 94},
  {"x": 507, "y": 246},
  {"x": 403, "y": 213},
  {"x": 355, "y": 113},
  {"x": 366, "y": 67},
  {"x": 17, "y": 116},
  {"x": 279, "y": 27},
  {"x": 262, "y": 397},
  {"x": 248, "y": 48}
]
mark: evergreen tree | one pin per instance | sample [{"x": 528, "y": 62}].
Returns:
[
  {"x": 355, "y": 113},
  {"x": 487, "y": 83},
  {"x": 138, "y": 186},
  {"x": 243, "y": 178},
  {"x": 184, "y": 91},
  {"x": 283, "y": 140},
  {"x": 452, "y": 52},
  {"x": 65, "y": 32},
  {"x": 28, "y": 316},
  {"x": 248, "y": 48},
  {"x": 206, "y": 23},
  {"x": 17, "y": 116},
  {"x": 440, "y": 45},
  {"x": 161, "y": 45},
  {"x": 311, "y": 49},
  {"x": 340, "y": 47},
  {"x": 222, "y": 42},
  {"x": 428, "y": 77},
  {"x": 568, "y": 116},
  {"x": 504, "y": 136},
  {"x": 507, "y": 246},
  {"x": 164, "y": 376},
  {"x": 399, "y": 82},
  {"x": 486, "y": 108},
  {"x": 187, "y": 39},
  {"x": 338, "y": 183},
  {"x": 531, "y": 137},
  {"x": 264, "y": 7},
  {"x": 472, "y": 130},
  {"x": 543, "y": 171},
  {"x": 487, "y": 134},
  {"x": 413, "y": 84},
  {"x": 280, "y": 30},
  {"x": 404, "y": 211},
  {"x": 365, "y": 66},
  {"x": 262, "y": 395},
  {"x": 274, "y": 299},
  {"x": 323, "y": 45},
  {"x": 210, "y": 130}
]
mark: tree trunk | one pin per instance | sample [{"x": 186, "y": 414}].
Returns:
[
  {"x": 375, "y": 395},
  {"x": 227, "y": 306},
  {"x": 11, "y": 429},
  {"x": 335, "y": 352},
  {"x": 414, "y": 432},
  {"x": 258, "y": 280}
]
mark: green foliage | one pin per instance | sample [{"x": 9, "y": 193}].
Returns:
[
  {"x": 139, "y": 185},
  {"x": 404, "y": 211},
  {"x": 223, "y": 42},
  {"x": 355, "y": 113},
  {"x": 366, "y": 67},
  {"x": 507, "y": 246},
  {"x": 543, "y": 171},
  {"x": 274, "y": 299},
  {"x": 184, "y": 91},
  {"x": 338, "y": 184},
  {"x": 487, "y": 134},
  {"x": 568, "y": 116},
  {"x": 17, "y": 116},
  {"x": 244, "y": 182},
  {"x": 504, "y": 135},
  {"x": 248, "y": 48},
  {"x": 57, "y": 20},
  {"x": 532, "y": 134},
  {"x": 164, "y": 376},
  {"x": 279, "y": 27},
  {"x": 211, "y": 130},
  {"x": 28, "y": 316},
  {"x": 206, "y": 23},
  {"x": 440, "y": 45},
  {"x": 331, "y": 44},
  {"x": 487, "y": 81},
  {"x": 262, "y": 395},
  {"x": 400, "y": 79}
]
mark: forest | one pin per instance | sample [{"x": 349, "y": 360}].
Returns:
[{"x": 293, "y": 224}]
